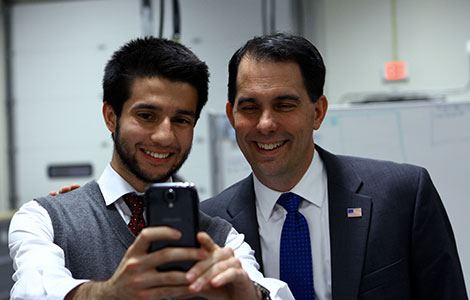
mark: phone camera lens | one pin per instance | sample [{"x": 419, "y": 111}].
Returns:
[{"x": 170, "y": 195}]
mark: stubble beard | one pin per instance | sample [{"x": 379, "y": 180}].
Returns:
[{"x": 130, "y": 162}]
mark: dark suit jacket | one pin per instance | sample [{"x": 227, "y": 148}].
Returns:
[{"x": 401, "y": 248}]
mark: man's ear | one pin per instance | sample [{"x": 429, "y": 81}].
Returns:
[
  {"x": 229, "y": 112},
  {"x": 110, "y": 117},
  {"x": 321, "y": 106}
]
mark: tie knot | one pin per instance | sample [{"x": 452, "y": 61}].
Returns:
[
  {"x": 289, "y": 201},
  {"x": 134, "y": 202}
]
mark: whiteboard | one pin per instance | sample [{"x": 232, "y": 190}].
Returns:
[{"x": 435, "y": 135}]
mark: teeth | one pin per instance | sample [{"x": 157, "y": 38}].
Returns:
[
  {"x": 269, "y": 146},
  {"x": 157, "y": 155}
]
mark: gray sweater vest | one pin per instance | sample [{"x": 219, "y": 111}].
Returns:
[{"x": 95, "y": 237}]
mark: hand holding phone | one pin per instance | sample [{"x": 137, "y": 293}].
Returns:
[{"x": 175, "y": 205}]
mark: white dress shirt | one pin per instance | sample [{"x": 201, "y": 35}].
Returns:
[
  {"x": 314, "y": 207},
  {"x": 39, "y": 264}
]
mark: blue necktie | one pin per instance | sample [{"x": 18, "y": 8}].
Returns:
[{"x": 296, "y": 254}]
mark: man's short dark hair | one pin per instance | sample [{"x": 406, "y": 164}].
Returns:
[
  {"x": 153, "y": 57},
  {"x": 281, "y": 47}
]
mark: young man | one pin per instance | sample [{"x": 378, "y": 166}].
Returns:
[
  {"x": 86, "y": 244},
  {"x": 343, "y": 228}
]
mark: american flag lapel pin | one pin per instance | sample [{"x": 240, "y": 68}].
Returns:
[{"x": 354, "y": 212}]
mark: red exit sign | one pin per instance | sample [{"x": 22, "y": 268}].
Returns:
[{"x": 395, "y": 70}]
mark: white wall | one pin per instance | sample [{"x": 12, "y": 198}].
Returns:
[
  {"x": 3, "y": 130},
  {"x": 354, "y": 36},
  {"x": 60, "y": 49}
]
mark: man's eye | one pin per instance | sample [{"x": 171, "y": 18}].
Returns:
[
  {"x": 249, "y": 108},
  {"x": 183, "y": 121},
  {"x": 285, "y": 106},
  {"x": 145, "y": 116}
]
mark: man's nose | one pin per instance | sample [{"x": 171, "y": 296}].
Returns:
[
  {"x": 267, "y": 122},
  {"x": 163, "y": 133}
]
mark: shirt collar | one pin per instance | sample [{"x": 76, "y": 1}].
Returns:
[
  {"x": 113, "y": 186},
  {"x": 312, "y": 187}
]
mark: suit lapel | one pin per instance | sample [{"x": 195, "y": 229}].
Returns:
[
  {"x": 242, "y": 210},
  {"x": 348, "y": 236}
]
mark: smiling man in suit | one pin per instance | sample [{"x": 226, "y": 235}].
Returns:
[{"x": 332, "y": 227}]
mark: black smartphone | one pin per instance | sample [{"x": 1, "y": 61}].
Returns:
[{"x": 176, "y": 205}]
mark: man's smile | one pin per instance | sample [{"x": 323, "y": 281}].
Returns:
[
  {"x": 270, "y": 146},
  {"x": 156, "y": 155}
]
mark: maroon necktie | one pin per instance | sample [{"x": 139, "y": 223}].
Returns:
[{"x": 136, "y": 205}]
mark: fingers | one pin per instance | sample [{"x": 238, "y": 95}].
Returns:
[
  {"x": 214, "y": 255},
  {"x": 150, "y": 234},
  {"x": 138, "y": 268},
  {"x": 152, "y": 278},
  {"x": 206, "y": 242},
  {"x": 148, "y": 285},
  {"x": 231, "y": 273},
  {"x": 65, "y": 189},
  {"x": 220, "y": 268},
  {"x": 74, "y": 186},
  {"x": 169, "y": 254},
  {"x": 217, "y": 275},
  {"x": 175, "y": 254}
]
